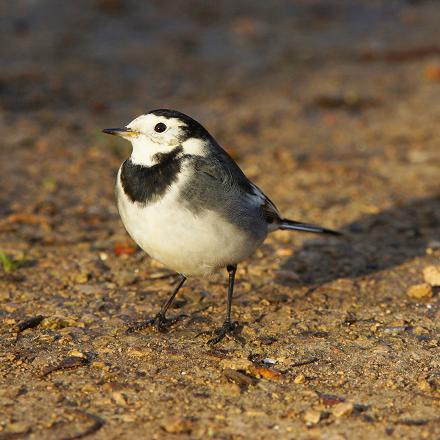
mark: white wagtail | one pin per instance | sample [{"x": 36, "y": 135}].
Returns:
[{"x": 186, "y": 203}]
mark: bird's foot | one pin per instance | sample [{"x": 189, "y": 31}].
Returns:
[
  {"x": 228, "y": 328},
  {"x": 160, "y": 322}
]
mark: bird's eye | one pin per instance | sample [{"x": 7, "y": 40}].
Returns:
[{"x": 160, "y": 127}]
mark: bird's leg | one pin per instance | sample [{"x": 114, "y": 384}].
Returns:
[
  {"x": 228, "y": 326},
  {"x": 160, "y": 321}
]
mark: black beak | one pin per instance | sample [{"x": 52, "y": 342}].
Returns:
[{"x": 117, "y": 131}]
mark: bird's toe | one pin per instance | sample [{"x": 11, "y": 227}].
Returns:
[{"x": 228, "y": 328}]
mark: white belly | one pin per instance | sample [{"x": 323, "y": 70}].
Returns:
[{"x": 187, "y": 243}]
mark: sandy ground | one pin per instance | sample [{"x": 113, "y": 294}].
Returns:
[{"x": 332, "y": 108}]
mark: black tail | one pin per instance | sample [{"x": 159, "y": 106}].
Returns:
[{"x": 305, "y": 227}]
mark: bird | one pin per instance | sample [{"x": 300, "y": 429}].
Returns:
[{"x": 186, "y": 203}]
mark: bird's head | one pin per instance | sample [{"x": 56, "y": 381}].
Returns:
[{"x": 159, "y": 132}]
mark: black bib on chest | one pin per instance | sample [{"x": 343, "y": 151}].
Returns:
[{"x": 145, "y": 184}]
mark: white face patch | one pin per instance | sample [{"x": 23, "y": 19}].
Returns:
[{"x": 154, "y": 134}]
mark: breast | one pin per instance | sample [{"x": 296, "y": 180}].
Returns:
[{"x": 191, "y": 243}]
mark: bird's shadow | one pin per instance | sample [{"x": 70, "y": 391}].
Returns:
[{"x": 372, "y": 243}]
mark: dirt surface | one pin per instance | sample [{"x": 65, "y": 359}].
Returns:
[{"x": 332, "y": 108}]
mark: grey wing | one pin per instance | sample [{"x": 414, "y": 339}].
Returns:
[{"x": 220, "y": 185}]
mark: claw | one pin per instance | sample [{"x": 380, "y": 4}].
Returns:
[
  {"x": 232, "y": 328},
  {"x": 160, "y": 323}
]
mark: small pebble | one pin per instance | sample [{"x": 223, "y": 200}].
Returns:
[
  {"x": 266, "y": 373},
  {"x": 312, "y": 417},
  {"x": 119, "y": 398},
  {"x": 82, "y": 277},
  {"x": 342, "y": 409},
  {"x": 424, "y": 385},
  {"x": 77, "y": 353},
  {"x": 420, "y": 291},
  {"x": 300, "y": 378},
  {"x": 419, "y": 330},
  {"x": 284, "y": 252},
  {"x": 89, "y": 388},
  {"x": 432, "y": 275},
  {"x": 98, "y": 364}
]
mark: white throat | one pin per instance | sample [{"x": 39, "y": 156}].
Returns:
[{"x": 144, "y": 151}]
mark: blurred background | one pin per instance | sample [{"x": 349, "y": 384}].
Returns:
[{"x": 331, "y": 107}]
